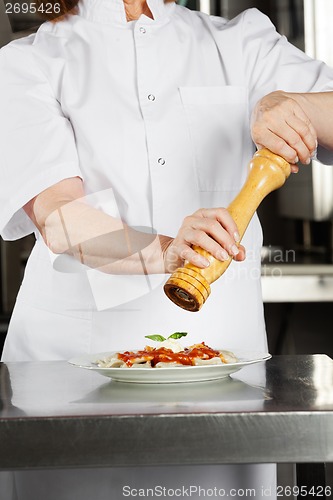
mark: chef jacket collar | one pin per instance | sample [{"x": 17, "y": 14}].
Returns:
[{"x": 113, "y": 12}]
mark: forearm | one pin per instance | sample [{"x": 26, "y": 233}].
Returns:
[
  {"x": 68, "y": 224},
  {"x": 101, "y": 241},
  {"x": 318, "y": 106}
]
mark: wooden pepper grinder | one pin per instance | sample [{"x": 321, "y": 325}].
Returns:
[{"x": 189, "y": 286}]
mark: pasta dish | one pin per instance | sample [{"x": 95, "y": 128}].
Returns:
[{"x": 170, "y": 353}]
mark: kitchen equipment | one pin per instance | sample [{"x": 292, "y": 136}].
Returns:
[
  {"x": 308, "y": 199},
  {"x": 189, "y": 286},
  {"x": 5, "y": 28}
]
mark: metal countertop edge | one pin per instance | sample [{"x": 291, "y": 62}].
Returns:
[{"x": 295, "y": 437}]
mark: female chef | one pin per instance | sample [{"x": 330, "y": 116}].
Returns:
[{"x": 125, "y": 127}]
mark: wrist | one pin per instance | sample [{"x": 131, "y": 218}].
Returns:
[
  {"x": 165, "y": 243},
  {"x": 154, "y": 256}
]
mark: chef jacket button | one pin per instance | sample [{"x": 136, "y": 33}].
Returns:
[
  {"x": 151, "y": 97},
  {"x": 142, "y": 30},
  {"x": 161, "y": 161}
]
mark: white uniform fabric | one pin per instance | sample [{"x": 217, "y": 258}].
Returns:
[
  {"x": 154, "y": 116},
  {"x": 97, "y": 97}
]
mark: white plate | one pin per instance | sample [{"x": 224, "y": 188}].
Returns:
[{"x": 169, "y": 375}]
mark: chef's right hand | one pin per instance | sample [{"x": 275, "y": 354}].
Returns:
[
  {"x": 280, "y": 123},
  {"x": 212, "y": 229}
]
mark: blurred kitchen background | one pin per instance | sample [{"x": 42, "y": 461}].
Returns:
[{"x": 297, "y": 268}]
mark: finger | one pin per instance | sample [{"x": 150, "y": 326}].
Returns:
[
  {"x": 220, "y": 250},
  {"x": 224, "y": 218},
  {"x": 295, "y": 130},
  {"x": 210, "y": 235},
  {"x": 277, "y": 145},
  {"x": 187, "y": 253},
  {"x": 303, "y": 140},
  {"x": 241, "y": 255},
  {"x": 284, "y": 136},
  {"x": 295, "y": 141},
  {"x": 313, "y": 144},
  {"x": 291, "y": 137}
]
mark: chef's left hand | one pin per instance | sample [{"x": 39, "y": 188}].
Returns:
[{"x": 279, "y": 123}]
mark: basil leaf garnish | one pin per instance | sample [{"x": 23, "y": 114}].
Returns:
[
  {"x": 177, "y": 335},
  {"x": 158, "y": 338}
]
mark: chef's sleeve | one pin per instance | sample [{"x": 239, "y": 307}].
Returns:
[
  {"x": 272, "y": 63},
  {"x": 37, "y": 144}
]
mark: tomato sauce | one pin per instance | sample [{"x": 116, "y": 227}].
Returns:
[{"x": 162, "y": 354}]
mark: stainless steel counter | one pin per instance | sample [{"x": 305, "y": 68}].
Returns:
[{"x": 56, "y": 415}]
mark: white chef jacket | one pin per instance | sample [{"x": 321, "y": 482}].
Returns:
[{"x": 153, "y": 115}]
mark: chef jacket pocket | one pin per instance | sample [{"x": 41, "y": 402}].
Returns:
[{"x": 218, "y": 121}]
